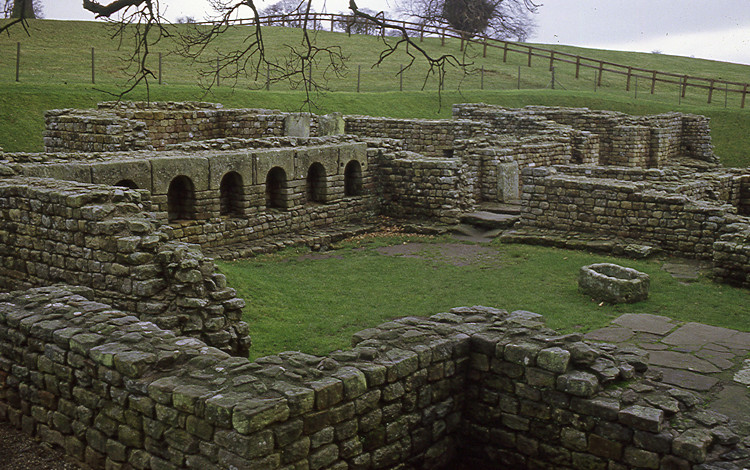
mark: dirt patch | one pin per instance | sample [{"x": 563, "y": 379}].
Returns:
[
  {"x": 456, "y": 254},
  {"x": 21, "y": 452}
]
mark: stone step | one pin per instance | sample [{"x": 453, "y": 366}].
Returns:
[
  {"x": 489, "y": 220},
  {"x": 500, "y": 207}
]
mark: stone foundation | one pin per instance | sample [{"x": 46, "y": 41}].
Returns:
[{"x": 486, "y": 387}]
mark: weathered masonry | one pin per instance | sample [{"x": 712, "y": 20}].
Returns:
[
  {"x": 496, "y": 389},
  {"x": 120, "y": 341}
]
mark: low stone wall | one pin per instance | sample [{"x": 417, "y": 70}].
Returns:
[
  {"x": 116, "y": 126},
  {"x": 626, "y": 209},
  {"x": 731, "y": 256},
  {"x": 491, "y": 388},
  {"x": 105, "y": 239},
  {"x": 692, "y": 218},
  {"x": 432, "y": 138},
  {"x": 203, "y": 168},
  {"x": 417, "y": 187},
  {"x": 648, "y": 141}
]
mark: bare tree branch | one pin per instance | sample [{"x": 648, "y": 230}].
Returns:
[{"x": 108, "y": 10}]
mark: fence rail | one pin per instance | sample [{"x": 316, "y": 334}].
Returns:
[
  {"x": 348, "y": 22},
  {"x": 355, "y": 25}
]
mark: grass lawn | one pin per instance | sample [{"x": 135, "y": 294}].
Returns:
[
  {"x": 314, "y": 304},
  {"x": 56, "y": 73}
]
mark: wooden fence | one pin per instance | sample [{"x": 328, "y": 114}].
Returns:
[{"x": 347, "y": 23}]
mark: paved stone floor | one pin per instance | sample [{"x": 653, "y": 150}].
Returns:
[{"x": 707, "y": 359}]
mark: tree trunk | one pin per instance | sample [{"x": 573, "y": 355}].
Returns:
[{"x": 23, "y": 9}]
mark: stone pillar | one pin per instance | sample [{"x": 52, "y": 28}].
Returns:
[
  {"x": 297, "y": 125},
  {"x": 507, "y": 182}
]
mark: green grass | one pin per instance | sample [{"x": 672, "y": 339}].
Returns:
[
  {"x": 315, "y": 305},
  {"x": 56, "y": 72}
]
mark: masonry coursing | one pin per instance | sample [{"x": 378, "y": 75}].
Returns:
[
  {"x": 137, "y": 356},
  {"x": 495, "y": 388}
]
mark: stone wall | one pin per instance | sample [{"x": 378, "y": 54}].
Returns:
[
  {"x": 541, "y": 401},
  {"x": 418, "y": 187},
  {"x": 626, "y": 209},
  {"x": 433, "y": 138},
  {"x": 670, "y": 209},
  {"x": 105, "y": 239},
  {"x": 646, "y": 142},
  {"x": 495, "y": 390},
  {"x": 250, "y": 214},
  {"x": 116, "y": 126}
]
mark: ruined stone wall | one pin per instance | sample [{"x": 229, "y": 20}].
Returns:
[
  {"x": 105, "y": 239},
  {"x": 418, "y": 187},
  {"x": 432, "y": 138},
  {"x": 648, "y": 141},
  {"x": 527, "y": 129},
  {"x": 140, "y": 125},
  {"x": 251, "y": 216},
  {"x": 731, "y": 256},
  {"x": 626, "y": 209},
  {"x": 473, "y": 388},
  {"x": 541, "y": 401}
]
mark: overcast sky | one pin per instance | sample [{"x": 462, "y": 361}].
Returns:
[{"x": 710, "y": 29}]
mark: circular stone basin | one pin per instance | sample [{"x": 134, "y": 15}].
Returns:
[{"x": 613, "y": 283}]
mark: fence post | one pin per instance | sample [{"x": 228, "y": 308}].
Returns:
[
  {"x": 462, "y": 43},
  {"x": 684, "y": 85},
  {"x": 159, "y": 68},
  {"x": 552, "y": 61},
  {"x": 578, "y": 65},
  {"x": 505, "y": 52},
  {"x": 726, "y": 94},
  {"x": 552, "y": 83},
  {"x": 481, "y": 83},
  {"x": 442, "y": 38},
  {"x": 601, "y": 72},
  {"x": 653, "y": 82},
  {"x": 359, "y": 73},
  {"x": 332, "y": 24},
  {"x": 710, "y": 91},
  {"x": 18, "y": 61},
  {"x": 744, "y": 92},
  {"x": 218, "y": 65},
  {"x": 627, "y": 82},
  {"x": 484, "y": 49},
  {"x": 93, "y": 77},
  {"x": 529, "y": 64},
  {"x": 421, "y": 33},
  {"x": 519, "y": 77}
]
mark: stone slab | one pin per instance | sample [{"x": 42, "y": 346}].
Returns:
[
  {"x": 489, "y": 219},
  {"x": 613, "y": 334},
  {"x": 678, "y": 360},
  {"x": 687, "y": 379},
  {"x": 722, "y": 360},
  {"x": 645, "y": 322},
  {"x": 698, "y": 334},
  {"x": 743, "y": 375}
]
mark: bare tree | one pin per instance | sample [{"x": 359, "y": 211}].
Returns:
[
  {"x": 19, "y": 11},
  {"x": 306, "y": 64},
  {"x": 501, "y": 19},
  {"x": 288, "y": 12}
]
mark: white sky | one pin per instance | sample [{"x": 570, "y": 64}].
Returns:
[{"x": 710, "y": 29}]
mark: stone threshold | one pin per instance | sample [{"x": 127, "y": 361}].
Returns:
[
  {"x": 317, "y": 240},
  {"x": 595, "y": 243}
]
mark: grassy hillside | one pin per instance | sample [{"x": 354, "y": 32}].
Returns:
[{"x": 56, "y": 72}]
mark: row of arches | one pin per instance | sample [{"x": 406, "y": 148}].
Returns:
[{"x": 181, "y": 193}]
